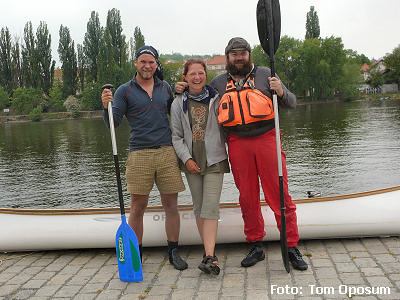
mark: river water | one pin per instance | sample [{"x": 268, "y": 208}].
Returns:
[{"x": 332, "y": 148}]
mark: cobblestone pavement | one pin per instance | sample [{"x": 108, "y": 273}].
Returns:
[{"x": 367, "y": 268}]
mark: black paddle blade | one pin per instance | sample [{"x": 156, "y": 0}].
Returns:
[{"x": 269, "y": 20}]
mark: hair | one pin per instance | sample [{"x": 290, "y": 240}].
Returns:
[{"x": 190, "y": 62}]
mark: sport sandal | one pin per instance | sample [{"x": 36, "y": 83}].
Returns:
[{"x": 210, "y": 265}]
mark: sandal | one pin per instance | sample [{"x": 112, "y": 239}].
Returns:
[{"x": 210, "y": 265}]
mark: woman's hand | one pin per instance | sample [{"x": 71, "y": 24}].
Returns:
[
  {"x": 192, "y": 167},
  {"x": 180, "y": 87}
]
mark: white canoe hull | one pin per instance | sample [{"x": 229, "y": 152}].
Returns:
[{"x": 374, "y": 213}]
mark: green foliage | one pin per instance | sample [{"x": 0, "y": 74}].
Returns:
[
  {"x": 287, "y": 60},
  {"x": 56, "y": 97},
  {"x": 113, "y": 64},
  {"x": 36, "y": 114},
  {"x": 91, "y": 97},
  {"x": 376, "y": 79},
  {"x": 172, "y": 72},
  {"x": 91, "y": 45},
  {"x": 4, "y": 99},
  {"x": 258, "y": 56},
  {"x": 66, "y": 51},
  {"x": 30, "y": 59},
  {"x": 312, "y": 24},
  {"x": 354, "y": 57},
  {"x": 392, "y": 62},
  {"x": 138, "y": 38},
  {"x": 351, "y": 79},
  {"x": 211, "y": 74},
  {"x": 6, "y": 59},
  {"x": 45, "y": 63},
  {"x": 24, "y": 100}
]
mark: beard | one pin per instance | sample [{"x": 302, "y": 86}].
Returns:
[
  {"x": 145, "y": 75},
  {"x": 239, "y": 70}
]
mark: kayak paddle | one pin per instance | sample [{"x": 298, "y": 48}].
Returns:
[
  {"x": 126, "y": 242},
  {"x": 269, "y": 33}
]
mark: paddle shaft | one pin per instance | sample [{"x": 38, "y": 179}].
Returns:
[
  {"x": 116, "y": 160},
  {"x": 283, "y": 236}
]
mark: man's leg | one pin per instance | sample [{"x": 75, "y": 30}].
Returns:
[
  {"x": 244, "y": 170},
  {"x": 267, "y": 165},
  {"x": 135, "y": 220},
  {"x": 172, "y": 220},
  {"x": 172, "y": 227}
]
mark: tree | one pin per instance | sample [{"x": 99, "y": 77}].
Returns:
[
  {"x": 138, "y": 38},
  {"x": 4, "y": 99},
  {"x": 258, "y": 56},
  {"x": 392, "y": 62},
  {"x": 45, "y": 63},
  {"x": 113, "y": 56},
  {"x": 91, "y": 45},
  {"x": 172, "y": 71},
  {"x": 6, "y": 60},
  {"x": 312, "y": 24},
  {"x": 30, "y": 68},
  {"x": 16, "y": 68},
  {"x": 56, "y": 96},
  {"x": 287, "y": 60},
  {"x": 24, "y": 100},
  {"x": 66, "y": 51}
]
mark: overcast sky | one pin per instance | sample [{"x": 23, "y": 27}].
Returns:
[{"x": 204, "y": 26}]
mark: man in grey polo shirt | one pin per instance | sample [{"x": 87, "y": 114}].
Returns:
[{"x": 145, "y": 100}]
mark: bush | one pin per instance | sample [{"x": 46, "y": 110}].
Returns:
[
  {"x": 72, "y": 104},
  {"x": 24, "y": 100},
  {"x": 4, "y": 99},
  {"x": 56, "y": 99},
  {"x": 91, "y": 97},
  {"x": 36, "y": 114}
]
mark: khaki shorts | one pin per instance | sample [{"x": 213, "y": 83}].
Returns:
[
  {"x": 206, "y": 193},
  {"x": 146, "y": 166}
]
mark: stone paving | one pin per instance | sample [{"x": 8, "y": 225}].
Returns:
[{"x": 367, "y": 268}]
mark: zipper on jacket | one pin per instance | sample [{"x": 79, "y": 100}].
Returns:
[{"x": 241, "y": 108}]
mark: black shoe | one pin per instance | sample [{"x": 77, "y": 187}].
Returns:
[
  {"x": 209, "y": 265},
  {"x": 176, "y": 260},
  {"x": 255, "y": 255},
  {"x": 296, "y": 259}
]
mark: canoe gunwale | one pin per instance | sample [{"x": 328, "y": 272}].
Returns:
[{"x": 185, "y": 207}]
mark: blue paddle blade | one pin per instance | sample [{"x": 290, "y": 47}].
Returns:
[{"x": 128, "y": 255}]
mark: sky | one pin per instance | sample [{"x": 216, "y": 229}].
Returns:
[{"x": 369, "y": 27}]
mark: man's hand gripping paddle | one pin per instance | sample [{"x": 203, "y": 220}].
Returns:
[
  {"x": 269, "y": 32},
  {"x": 126, "y": 242}
]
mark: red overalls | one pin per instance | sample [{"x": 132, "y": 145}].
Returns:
[{"x": 252, "y": 158}]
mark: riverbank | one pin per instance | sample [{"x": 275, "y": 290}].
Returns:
[
  {"x": 367, "y": 268},
  {"x": 99, "y": 113},
  {"x": 53, "y": 116}
]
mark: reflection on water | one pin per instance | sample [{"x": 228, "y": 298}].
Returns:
[{"x": 332, "y": 148}]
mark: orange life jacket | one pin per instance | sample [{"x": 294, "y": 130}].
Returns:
[{"x": 241, "y": 105}]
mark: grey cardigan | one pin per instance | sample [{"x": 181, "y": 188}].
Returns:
[{"x": 182, "y": 133}]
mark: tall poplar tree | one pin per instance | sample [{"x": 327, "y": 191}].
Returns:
[
  {"x": 91, "y": 45},
  {"x": 45, "y": 63},
  {"x": 66, "y": 51},
  {"x": 6, "y": 60},
  {"x": 312, "y": 24},
  {"x": 30, "y": 68},
  {"x": 138, "y": 38}
]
